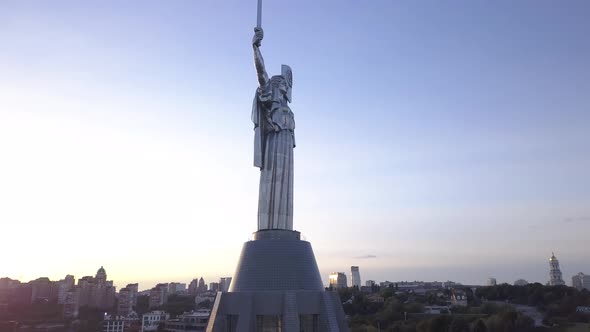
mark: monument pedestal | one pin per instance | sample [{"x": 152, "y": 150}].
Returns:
[{"x": 277, "y": 287}]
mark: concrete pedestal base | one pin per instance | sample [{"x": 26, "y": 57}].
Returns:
[{"x": 277, "y": 287}]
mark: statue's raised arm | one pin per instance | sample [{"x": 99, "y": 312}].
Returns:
[{"x": 258, "y": 60}]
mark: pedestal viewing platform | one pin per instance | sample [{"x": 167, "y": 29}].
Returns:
[{"x": 277, "y": 287}]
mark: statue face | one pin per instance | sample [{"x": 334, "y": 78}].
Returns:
[
  {"x": 279, "y": 82},
  {"x": 283, "y": 86}
]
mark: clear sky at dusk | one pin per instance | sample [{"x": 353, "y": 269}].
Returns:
[{"x": 435, "y": 140}]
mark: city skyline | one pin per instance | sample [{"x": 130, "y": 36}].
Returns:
[
  {"x": 327, "y": 282},
  {"x": 441, "y": 148}
]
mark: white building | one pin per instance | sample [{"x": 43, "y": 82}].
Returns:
[
  {"x": 355, "y": 277},
  {"x": 338, "y": 280},
  {"x": 113, "y": 324},
  {"x": 118, "y": 323},
  {"x": 555, "y": 278},
  {"x": 152, "y": 320},
  {"x": 492, "y": 282},
  {"x": 189, "y": 321},
  {"x": 581, "y": 281},
  {"x": 370, "y": 283}
]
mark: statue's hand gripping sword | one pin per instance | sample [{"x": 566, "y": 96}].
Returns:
[{"x": 258, "y": 32}]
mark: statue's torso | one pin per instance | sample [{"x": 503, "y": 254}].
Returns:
[
  {"x": 278, "y": 111},
  {"x": 282, "y": 116}
]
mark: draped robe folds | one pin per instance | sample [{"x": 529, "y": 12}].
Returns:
[{"x": 273, "y": 154}]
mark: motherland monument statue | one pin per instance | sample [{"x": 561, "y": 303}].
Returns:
[
  {"x": 276, "y": 286},
  {"x": 274, "y": 140}
]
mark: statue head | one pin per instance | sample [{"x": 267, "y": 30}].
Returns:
[{"x": 283, "y": 82}]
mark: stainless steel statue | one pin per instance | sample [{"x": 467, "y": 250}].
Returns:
[{"x": 274, "y": 126}]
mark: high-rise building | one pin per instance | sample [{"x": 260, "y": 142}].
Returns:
[
  {"x": 133, "y": 291},
  {"x": 193, "y": 287},
  {"x": 555, "y": 278},
  {"x": 7, "y": 283},
  {"x": 370, "y": 283},
  {"x": 72, "y": 303},
  {"x": 8, "y": 289},
  {"x": 21, "y": 295},
  {"x": 124, "y": 305},
  {"x": 338, "y": 280},
  {"x": 101, "y": 277},
  {"x": 492, "y": 282},
  {"x": 44, "y": 290},
  {"x": 202, "y": 286},
  {"x": 581, "y": 281},
  {"x": 214, "y": 286},
  {"x": 176, "y": 288},
  {"x": 224, "y": 284},
  {"x": 86, "y": 285},
  {"x": 158, "y": 295},
  {"x": 64, "y": 286},
  {"x": 355, "y": 277},
  {"x": 97, "y": 292},
  {"x": 172, "y": 288}
]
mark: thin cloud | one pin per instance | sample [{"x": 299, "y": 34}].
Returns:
[
  {"x": 570, "y": 220},
  {"x": 567, "y": 220},
  {"x": 366, "y": 257}
]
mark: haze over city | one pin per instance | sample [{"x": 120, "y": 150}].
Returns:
[{"x": 433, "y": 142}]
